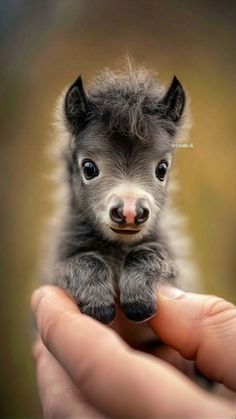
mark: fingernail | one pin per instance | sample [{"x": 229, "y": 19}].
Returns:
[{"x": 171, "y": 292}]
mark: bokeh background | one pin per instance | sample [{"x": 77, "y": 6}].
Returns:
[{"x": 44, "y": 45}]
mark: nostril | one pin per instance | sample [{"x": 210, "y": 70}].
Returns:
[
  {"x": 142, "y": 214},
  {"x": 116, "y": 214}
]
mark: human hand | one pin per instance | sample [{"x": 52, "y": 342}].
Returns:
[{"x": 87, "y": 371}]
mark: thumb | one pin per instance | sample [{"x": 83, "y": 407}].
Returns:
[{"x": 201, "y": 328}]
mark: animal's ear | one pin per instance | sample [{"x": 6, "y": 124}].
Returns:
[
  {"x": 76, "y": 105},
  {"x": 174, "y": 100}
]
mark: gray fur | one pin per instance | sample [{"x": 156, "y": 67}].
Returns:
[{"x": 126, "y": 122}]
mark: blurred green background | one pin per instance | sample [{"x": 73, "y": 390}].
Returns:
[{"x": 44, "y": 46}]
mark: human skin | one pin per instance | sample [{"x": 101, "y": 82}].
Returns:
[{"x": 85, "y": 369}]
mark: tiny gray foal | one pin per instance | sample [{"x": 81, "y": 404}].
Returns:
[{"x": 115, "y": 236}]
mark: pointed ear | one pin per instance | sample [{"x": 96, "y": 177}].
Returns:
[
  {"x": 174, "y": 100},
  {"x": 76, "y": 105}
]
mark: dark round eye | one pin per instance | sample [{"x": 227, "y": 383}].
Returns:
[
  {"x": 90, "y": 169},
  {"x": 161, "y": 170}
]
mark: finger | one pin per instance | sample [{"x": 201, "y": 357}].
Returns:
[
  {"x": 59, "y": 396},
  {"x": 173, "y": 357},
  {"x": 108, "y": 373},
  {"x": 201, "y": 328},
  {"x": 141, "y": 337},
  {"x": 187, "y": 367}
]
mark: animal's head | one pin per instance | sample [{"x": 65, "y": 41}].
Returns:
[{"x": 122, "y": 132}]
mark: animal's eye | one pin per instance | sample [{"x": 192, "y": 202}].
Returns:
[
  {"x": 90, "y": 169},
  {"x": 161, "y": 170}
]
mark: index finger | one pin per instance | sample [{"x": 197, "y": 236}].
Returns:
[{"x": 201, "y": 328}]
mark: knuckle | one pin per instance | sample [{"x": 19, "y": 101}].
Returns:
[
  {"x": 219, "y": 318},
  {"x": 214, "y": 306}
]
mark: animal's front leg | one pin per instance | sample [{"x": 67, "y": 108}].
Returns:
[
  {"x": 89, "y": 280},
  {"x": 144, "y": 268}
]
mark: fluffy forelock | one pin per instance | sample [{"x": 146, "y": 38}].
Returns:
[{"x": 128, "y": 100}]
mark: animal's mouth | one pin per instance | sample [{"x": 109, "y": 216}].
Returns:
[{"x": 124, "y": 231}]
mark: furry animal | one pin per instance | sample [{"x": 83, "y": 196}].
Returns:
[{"x": 115, "y": 238}]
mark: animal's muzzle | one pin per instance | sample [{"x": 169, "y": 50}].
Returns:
[{"x": 129, "y": 211}]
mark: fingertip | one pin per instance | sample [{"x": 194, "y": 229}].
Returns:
[
  {"x": 173, "y": 315},
  {"x": 51, "y": 291},
  {"x": 48, "y": 304},
  {"x": 166, "y": 294},
  {"x": 174, "y": 304}
]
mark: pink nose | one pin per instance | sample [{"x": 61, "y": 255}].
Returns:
[{"x": 129, "y": 211}]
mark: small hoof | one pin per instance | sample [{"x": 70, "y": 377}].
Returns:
[
  {"x": 104, "y": 314},
  {"x": 139, "y": 311}
]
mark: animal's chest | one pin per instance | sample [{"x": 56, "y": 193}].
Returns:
[{"x": 115, "y": 258}]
